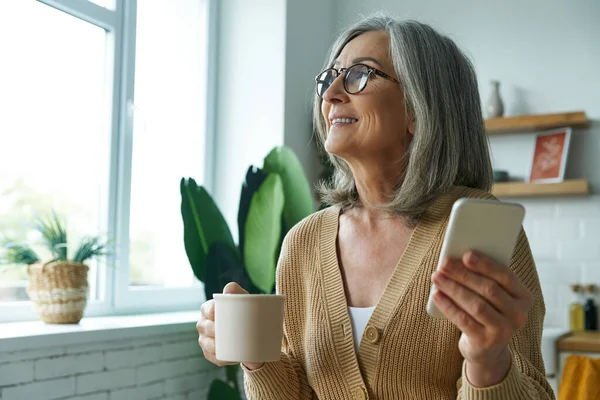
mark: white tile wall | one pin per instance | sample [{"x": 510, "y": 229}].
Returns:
[
  {"x": 156, "y": 367},
  {"x": 564, "y": 234}
]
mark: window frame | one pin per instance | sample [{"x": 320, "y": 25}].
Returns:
[{"x": 115, "y": 295}]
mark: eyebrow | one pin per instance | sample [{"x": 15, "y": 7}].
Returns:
[{"x": 361, "y": 59}]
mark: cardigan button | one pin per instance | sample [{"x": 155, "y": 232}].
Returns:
[
  {"x": 360, "y": 393},
  {"x": 372, "y": 334}
]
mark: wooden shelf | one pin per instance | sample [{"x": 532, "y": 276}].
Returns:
[
  {"x": 580, "y": 341},
  {"x": 529, "y": 123},
  {"x": 523, "y": 189}
]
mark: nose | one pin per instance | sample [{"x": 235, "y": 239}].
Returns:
[{"x": 336, "y": 92}]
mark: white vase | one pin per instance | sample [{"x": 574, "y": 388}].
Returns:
[{"x": 494, "y": 106}]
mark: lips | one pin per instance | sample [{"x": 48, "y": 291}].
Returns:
[{"x": 341, "y": 119}]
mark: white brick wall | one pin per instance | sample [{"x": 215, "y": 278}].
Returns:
[
  {"x": 56, "y": 367},
  {"x": 159, "y": 367},
  {"x": 564, "y": 234}
]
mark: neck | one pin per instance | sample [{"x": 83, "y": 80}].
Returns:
[{"x": 375, "y": 184}]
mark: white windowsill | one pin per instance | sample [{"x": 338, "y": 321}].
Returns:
[{"x": 19, "y": 336}]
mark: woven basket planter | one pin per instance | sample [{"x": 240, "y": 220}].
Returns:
[{"x": 59, "y": 291}]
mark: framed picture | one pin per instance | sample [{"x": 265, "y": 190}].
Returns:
[{"x": 550, "y": 156}]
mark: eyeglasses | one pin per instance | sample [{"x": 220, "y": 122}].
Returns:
[{"x": 355, "y": 78}]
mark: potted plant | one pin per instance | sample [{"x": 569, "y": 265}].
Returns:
[
  {"x": 272, "y": 200},
  {"x": 58, "y": 287}
]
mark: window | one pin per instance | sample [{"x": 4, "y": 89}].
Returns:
[
  {"x": 104, "y": 110},
  {"x": 110, "y": 4},
  {"x": 168, "y": 98}
]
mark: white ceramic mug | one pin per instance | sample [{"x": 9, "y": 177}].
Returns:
[{"x": 248, "y": 327}]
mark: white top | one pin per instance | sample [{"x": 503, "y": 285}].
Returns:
[{"x": 359, "y": 316}]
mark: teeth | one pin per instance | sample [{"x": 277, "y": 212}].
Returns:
[{"x": 344, "y": 121}]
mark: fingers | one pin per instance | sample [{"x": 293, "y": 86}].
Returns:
[
  {"x": 501, "y": 274},
  {"x": 480, "y": 284},
  {"x": 468, "y": 301},
  {"x": 457, "y": 316},
  {"x": 207, "y": 344},
  {"x": 208, "y": 310},
  {"x": 206, "y": 327},
  {"x": 206, "y": 340},
  {"x": 234, "y": 288},
  {"x": 208, "y": 348}
]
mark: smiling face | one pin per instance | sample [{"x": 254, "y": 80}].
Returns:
[{"x": 371, "y": 125}]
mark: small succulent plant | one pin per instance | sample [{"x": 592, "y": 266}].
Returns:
[{"x": 54, "y": 238}]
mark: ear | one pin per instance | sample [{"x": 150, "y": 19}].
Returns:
[{"x": 411, "y": 126}]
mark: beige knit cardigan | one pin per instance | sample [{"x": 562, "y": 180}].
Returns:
[{"x": 404, "y": 353}]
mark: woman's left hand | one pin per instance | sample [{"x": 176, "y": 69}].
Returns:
[{"x": 489, "y": 304}]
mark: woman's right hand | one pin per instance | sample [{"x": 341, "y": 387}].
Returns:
[{"x": 206, "y": 329}]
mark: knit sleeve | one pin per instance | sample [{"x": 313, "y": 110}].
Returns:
[
  {"x": 526, "y": 378},
  {"x": 281, "y": 380}
]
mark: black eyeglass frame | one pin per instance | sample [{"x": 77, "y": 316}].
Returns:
[{"x": 338, "y": 72}]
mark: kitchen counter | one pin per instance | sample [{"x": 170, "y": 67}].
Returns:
[{"x": 579, "y": 341}]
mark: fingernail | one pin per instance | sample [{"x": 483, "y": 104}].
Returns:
[{"x": 473, "y": 257}]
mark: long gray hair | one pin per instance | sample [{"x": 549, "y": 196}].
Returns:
[{"x": 449, "y": 146}]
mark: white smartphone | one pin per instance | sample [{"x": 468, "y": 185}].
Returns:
[{"x": 490, "y": 227}]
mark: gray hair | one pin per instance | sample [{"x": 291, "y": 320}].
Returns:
[{"x": 449, "y": 146}]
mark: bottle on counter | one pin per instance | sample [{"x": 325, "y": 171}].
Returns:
[
  {"x": 590, "y": 310},
  {"x": 576, "y": 314}
]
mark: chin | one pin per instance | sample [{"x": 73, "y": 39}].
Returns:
[{"x": 338, "y": 146}]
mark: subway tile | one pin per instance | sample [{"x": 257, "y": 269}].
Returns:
[
  {"x": 153, "y": 391},
  {"x": 107, "y": 380},
  {"x": 557, "y": 317},
  {"x": 181, "y": 349},
  {"x": 557, "y": 229},
  {"x": 591, "y": 273},
  {"x": 32, "y": 354},
  {"x": 543, "y": 250},
  {"x": 13, "y": 373},
  {"x": 160, "y": 371},
  {"x": 56, "y": 367},
  {"x": 539, "y": 208},
  {"x": 559, "y": 273},
  {"x": 591, "y": 229},
  {"x": 549, "y": 291},
  {"x": 579, "y": 250},
  {"x": 132, "y": 358},
  {"x": 584, "y": 207},
  {"x": 53, "y": 389}
]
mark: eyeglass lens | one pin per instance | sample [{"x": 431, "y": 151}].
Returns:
[{"x": 355, "y": 79}]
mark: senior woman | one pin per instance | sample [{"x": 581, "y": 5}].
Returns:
[{"x": 397, "y": 108}]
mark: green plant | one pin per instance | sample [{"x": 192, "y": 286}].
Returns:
[
  {"x": 54, "y": 238},
  {"x": 272, "y": 200}
]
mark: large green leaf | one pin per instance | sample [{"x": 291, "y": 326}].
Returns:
[
  {"x": 203, "y": 225},
  {"x": 219, "y": 390},
  {"x": 224, "y": 267},
  {"x": 263, "y": 230},
  {"x": 298, "y": 198},
  {"x": 254, "y": 178}
]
